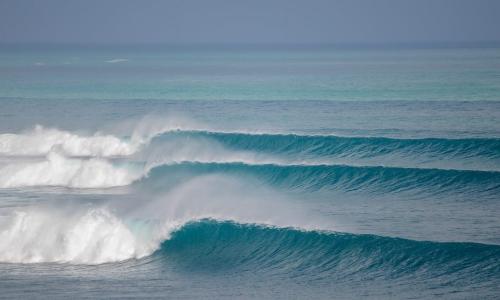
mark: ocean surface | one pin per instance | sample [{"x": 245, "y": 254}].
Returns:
[{"x": 233, "y": 172}]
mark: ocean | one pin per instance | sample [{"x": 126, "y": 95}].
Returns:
[{"x": 250, "y": 172}]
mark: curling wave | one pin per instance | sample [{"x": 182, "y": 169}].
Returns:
[
  {"x": 209, "y": 244},
  {"x": 40, "y": 141},
  {"x": 470, "y": 153},
  {"x": 94, "y": 233},
  {"x": 344, "y": 177}
]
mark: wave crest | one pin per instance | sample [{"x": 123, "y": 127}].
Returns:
[
  {"x": 58, "y": 170},
  {"x": 87, "y": 233},
  {"x": 92, "y": 237},
  {"x": 41, "y": 141}
]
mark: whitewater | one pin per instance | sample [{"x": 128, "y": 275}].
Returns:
[
  {"x": 166, "y": 189},
  {"x": 126, "y": 180}
]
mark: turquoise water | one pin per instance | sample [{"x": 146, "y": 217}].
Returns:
[
  {"x": 175, "y": 73},
  {"x": 250, "y": 173}
]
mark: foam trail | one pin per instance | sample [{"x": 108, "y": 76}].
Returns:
[
  {"x": 58, "y": 170},
  {"x": 41, "y": 141},
  {"x": 117, "y": 60}
]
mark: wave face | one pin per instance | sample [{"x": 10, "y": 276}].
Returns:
[
  {"x": 180, "y": 202},
  {"x": 323, "y": 255},
  {"x": 344, "y": 265},
  {"x": 483, "y": 153},
  {"x": 348, "y": 178},
  {"x": 72, "y": 231}
]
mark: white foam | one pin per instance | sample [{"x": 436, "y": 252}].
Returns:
[
  {"x": 57, "y": 170},
  {"x": 54, "y": 151},
  {"x": 116, "y": 60},
  {"x": 84, "y": 237},
  {"x": 80, "y": 234},
  {"x": 41, "y": 141}
]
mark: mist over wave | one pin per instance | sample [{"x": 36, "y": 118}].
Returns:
[
  {"x": 62, "y": 158},
  {"x": 95, "y": 233},
  {"x": 287, "y": 172},
  {"x": 40, "y": 140},
  {"x": 184, "y": 173}
]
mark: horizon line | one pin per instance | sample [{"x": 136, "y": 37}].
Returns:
[{"x": 414, "y": 44}]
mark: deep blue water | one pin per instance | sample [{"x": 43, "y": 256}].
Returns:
[{"x": 233, "y": 173}]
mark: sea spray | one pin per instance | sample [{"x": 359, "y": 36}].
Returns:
[{"x": 95, "y": 233}]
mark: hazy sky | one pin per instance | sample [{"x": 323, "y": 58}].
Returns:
[{"x": 248, "y": 21}]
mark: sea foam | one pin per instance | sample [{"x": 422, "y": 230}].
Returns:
[
  {"x": 90, "y": 237},
  {"x": 86, "y": 233},
  {"x": 41, "y": 141},
  {"x": 58, "y": 170}
]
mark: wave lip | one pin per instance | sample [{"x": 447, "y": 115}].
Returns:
[
  {"x": 96, "y": 236},
  {"x": 85, "y": 232},
  {"x": 58, "y": 170},
  {"x": 345, "y": 177},
  {"x": 459, "y": 153}
]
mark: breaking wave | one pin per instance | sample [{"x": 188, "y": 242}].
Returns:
[
  {"x": 323, "y": 255},
  {"x": 41, "y": 141},
  {"x": 93, "y": 233},
  {"x": 58, "y": 170}
]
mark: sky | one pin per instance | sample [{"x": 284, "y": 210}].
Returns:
[{"x": 248, "y": 21}]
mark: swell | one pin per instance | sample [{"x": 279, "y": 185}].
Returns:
[
  {"x": 344, "y": 177},
  {"x": 289, "y": 160},
  {"x": 208, "y": 244},
  {"x": 470, "y": 152}
]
